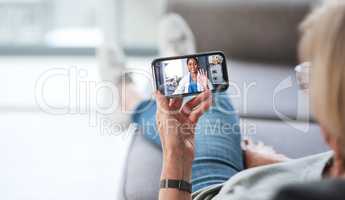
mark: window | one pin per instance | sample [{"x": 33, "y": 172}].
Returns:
[{"x": 63, "y": 24}]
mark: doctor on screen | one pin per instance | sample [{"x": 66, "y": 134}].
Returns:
[{"x": 195, "y": 81}]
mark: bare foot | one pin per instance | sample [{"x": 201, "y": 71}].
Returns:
[{"x": 258, "y": 154}]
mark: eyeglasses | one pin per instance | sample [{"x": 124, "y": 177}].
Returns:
[{"x": 302, "y": 75}]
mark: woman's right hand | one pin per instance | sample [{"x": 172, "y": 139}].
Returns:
[
  {"x": 202, "y": 78},
  {"x": 176, "y": 126}
]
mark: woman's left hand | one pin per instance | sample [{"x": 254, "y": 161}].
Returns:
[{"x": 259, "y": 154}]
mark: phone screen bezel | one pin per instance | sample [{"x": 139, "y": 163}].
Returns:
[{"x": 217, "y": 88}]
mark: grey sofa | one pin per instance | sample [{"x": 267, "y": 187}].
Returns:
[{"x": 260, "y": 38}]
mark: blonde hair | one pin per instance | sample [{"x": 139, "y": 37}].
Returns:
[{"x": 323, "y": 44}]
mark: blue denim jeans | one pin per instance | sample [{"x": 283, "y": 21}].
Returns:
[{"x": 218, "y": 153}]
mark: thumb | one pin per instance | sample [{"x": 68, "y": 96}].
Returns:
[{"x": 162, "y": 101}]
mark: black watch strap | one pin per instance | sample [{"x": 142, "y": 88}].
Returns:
[{"x": 177, "y": 184}]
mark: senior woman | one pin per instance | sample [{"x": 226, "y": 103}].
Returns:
[{"x": 212, "y": 159}]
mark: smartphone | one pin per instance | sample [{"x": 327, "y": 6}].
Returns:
[{"x": 190, "y": 74}]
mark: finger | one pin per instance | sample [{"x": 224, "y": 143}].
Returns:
[
  {"x": 190, "y": 105},
  {"x": 175, "y": 103},
  {"x": 198, "y": 112},
  {"x": 247, "y": 144},
  {"x": 201, "y": 109},
  {"x": 246, "y": 141},
  {"x": 193, "y": 103},
  {"x": 162, "y": 101}
]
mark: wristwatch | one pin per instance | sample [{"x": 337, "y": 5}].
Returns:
[{"x": 176, "y": 184}]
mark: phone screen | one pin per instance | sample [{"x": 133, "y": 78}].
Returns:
[{"x": 190, "y": 74}]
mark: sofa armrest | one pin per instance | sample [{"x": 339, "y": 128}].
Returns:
[
  {"x": 294, "y": 139},
  {"x": 140, "y": 178}
]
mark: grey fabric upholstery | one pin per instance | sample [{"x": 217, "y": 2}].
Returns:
[
  {"x": 296, "y": 139},
  {"x": 255, "y": 90},
  {"x": 140, "y": 179},
  {"x": 257, "y": 30}
]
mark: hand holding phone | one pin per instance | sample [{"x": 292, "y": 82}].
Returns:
[{"x": 190, "y": 74}]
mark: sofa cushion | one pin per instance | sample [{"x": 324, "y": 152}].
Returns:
[
  {"x": 258, "y": 30},
  {"x": 140, "y": 180}
]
